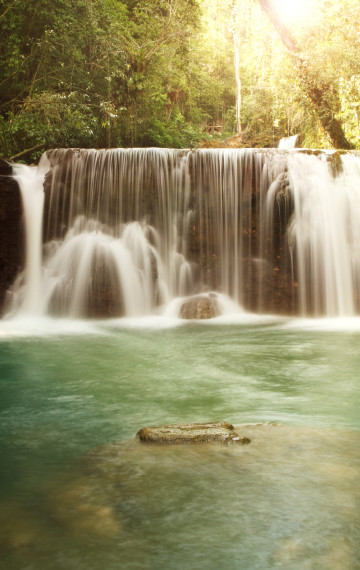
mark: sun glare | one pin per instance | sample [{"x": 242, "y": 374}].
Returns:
[{"x": 293, "y": 11}]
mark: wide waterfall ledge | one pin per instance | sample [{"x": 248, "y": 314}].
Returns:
[{"x": 191, "y": 233}]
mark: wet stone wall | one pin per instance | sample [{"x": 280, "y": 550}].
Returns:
[{"x": 11, "y": 230}]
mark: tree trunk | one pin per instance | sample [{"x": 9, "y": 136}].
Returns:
[
  {"x": 316, "y": 91},
  {"x": 237, "y": 66}
]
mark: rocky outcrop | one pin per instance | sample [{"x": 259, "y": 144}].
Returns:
[
  {"x": 218, "y": 432},
  {"x": 200, "y": 307},
  {"x": 11, "y": 230},
  {"x": 5, "y": 168}
]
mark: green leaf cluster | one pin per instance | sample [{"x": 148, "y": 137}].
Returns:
[{"x": 107, "y": 73}]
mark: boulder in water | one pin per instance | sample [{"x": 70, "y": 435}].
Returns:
[
  {"x": 221, "y": 432},
  {"x": 200, "y": 307}
]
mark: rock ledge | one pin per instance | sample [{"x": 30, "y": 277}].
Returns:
[{"x": 220, "y": 432}]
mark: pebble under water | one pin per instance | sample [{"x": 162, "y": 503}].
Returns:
[{"x": 77, "y": 491}]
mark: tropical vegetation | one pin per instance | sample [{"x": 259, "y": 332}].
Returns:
[{"x": 176, "y": 73}]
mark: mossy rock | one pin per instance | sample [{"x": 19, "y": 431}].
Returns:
[
  {"x": 174, "y": 434},
  {"x": 200, "y": 307}
]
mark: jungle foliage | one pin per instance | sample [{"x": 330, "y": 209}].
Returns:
[{"x": 106, "y": 73}]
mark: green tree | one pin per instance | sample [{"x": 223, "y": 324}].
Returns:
[
  {"x": 57, "y": 65},
  {"x": 96, "y": 73},
  {"x": 318, "y": 55}
]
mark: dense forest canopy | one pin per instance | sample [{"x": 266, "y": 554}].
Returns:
[{"x": 107, "y": 73}]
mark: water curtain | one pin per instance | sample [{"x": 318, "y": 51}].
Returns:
[{"x": 126, "y": 231}]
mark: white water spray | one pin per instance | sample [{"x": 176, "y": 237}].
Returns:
[
  {"x": 31, "y": 181},
  {"x": 288, "y": 143},
  {"x": 325, "y": 233}
]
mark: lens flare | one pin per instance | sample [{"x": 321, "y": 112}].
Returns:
[{"x": 293, "y": 11}]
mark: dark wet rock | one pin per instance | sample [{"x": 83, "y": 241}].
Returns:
[
  {"x": 221, "y": 432},
  {"x": 200, "y": 307},
  {"x": 103, "y": 296},
  {"x": 6, "y": 168},
  {"x": 336, "y": 163},
  {"x": 11, "y": 234},
  {"x": 333, "y": 158},
  {"x": 282, "y": 187}
]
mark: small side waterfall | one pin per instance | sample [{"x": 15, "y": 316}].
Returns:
[
  {"x": 127, "y": 231},
  {"x": 31, "y": 181},
  {"x": 325, "y": 232},
  {"x": 288, "y": 142}
]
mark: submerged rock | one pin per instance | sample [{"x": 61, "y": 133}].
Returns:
[
  {"x": 221, "y": 432},
  {"x": 200, "y": 307},
  {"x": 82, "y": 508},
  {"x": 19, "y": 526}
]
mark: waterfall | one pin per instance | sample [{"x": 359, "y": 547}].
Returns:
[
  {"x": 288, "y": 142},
  {"x": 325, "y": 233},
  {"x": 30, "y": 180},
  {"x": 124, "y": 232}
]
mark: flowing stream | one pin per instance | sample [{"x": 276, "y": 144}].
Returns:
[{"x": 78, "y": 491}]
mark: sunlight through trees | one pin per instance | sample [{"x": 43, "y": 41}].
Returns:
[{"x": 161, "y": 73}]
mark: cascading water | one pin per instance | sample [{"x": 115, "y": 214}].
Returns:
[
  {"x": 324, "y": 233},
  {"x": 31, "y": 180},
  {"x": 126, "y": 231},
  {"x": 288, "y": 143}
]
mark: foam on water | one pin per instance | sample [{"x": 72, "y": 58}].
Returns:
[
  {"x": 344, "y": 324},
  {"x": 27, "y": 326}
]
